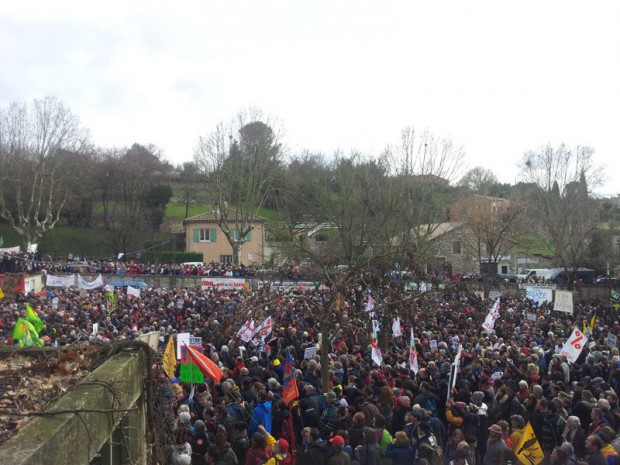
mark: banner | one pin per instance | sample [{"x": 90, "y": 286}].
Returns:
[
  {"x": 563, "y": 301},
  {"x": 575, "y": 344},
  {"x": 246, "y": 332},
  {"x": 223, "y": 283},
  {"x": 59, "y": 281},
  {"x": 15, "y": 249},
  {"x": 539, "y": 294},
  {"x": 83, "y": 284}
]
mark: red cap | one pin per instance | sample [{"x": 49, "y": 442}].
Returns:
[
  {"x": 337, "y": 441},
  {"x": 283, "y": 445}
]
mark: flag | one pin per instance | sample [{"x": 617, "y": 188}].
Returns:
[
  {"x": 457, "y": 361},
  {"x": 376, "y": 326},
  {"x": 370, "y": 304},
  {"x": 375, "y": 352},
  {"x": 290, "y": 391},
  {"x": 264, "y": 329},
  {"x": 592, "y": 322},
  {"x": 528, "y": 449},
  {"x": 25, "y": 333},
  {"x": 489, "y": 321},
  {"x": 109, "y": 296},
  {"x": 574, "y": 345},
  {"x": 33, "y": 318},
  {"x": 134, "y": 291},
  {"x": 614, "y": 299},
  {"x": 169, "y": 360},
  {"x": 246, "y": 332},
  {"x": 396, "y": 331},
  {"x": 413, "y": 355},
  {"x": 205, "y": 364},
  {"x": 1, "y": 294}
]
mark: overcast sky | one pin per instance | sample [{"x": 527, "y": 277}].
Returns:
[{"x": 498, "y": 77}]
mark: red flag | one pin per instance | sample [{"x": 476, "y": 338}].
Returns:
[
  {"x": 205, "y": 364},
  {"x": 290, "y": 391}
]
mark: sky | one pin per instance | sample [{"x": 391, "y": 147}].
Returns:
[{"x": 498, "y": 77}]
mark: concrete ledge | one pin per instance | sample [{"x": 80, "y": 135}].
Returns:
[{"x": 74, "y": 439}]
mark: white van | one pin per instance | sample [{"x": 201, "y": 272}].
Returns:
[{"x": 529, "y": 275}]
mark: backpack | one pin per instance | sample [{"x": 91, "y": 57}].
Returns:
[
  {"x": 436, "y": 456},
  {"x": 430, "y": 405}
]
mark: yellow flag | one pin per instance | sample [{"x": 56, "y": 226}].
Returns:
[
  {"x": 170, "y": 360},
  {"x": 528, "y": 450},
  {"x": 1, "y": 294},
  {"x": 592, "y": 321}
]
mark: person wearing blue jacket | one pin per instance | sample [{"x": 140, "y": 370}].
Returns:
[
  {"x": 261, "y": 415},
  {"x": 400, "y": 451}
]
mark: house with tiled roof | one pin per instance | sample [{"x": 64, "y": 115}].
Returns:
[{"x": 203, "y": 234}]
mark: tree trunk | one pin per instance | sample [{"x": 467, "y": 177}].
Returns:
[{"x": 236, "y": 250}]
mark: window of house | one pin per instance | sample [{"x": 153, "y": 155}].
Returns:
[
  {"x": 205, "y": 235},
  {"x": 456, "y": 247},
  {"x": 226, "y": 259},
  {"x": 235, "y": 235},
  {"x": 320, "y": 238},
  {"x": 504, "y": 269}
]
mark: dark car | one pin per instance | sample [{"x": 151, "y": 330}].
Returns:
[
  {"x": 507, "y": 278},
  {"x": 559, "y": 276}
]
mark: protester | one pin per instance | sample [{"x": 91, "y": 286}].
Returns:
[{"x": 515, "y": 373}]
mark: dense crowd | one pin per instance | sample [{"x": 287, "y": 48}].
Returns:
[{"x": 366, "y": 414}]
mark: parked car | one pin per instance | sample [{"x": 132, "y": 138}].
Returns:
[
  {"x": 507, "y": 278},
  {"x": 558, "y": 275},
  {"x": 529, "y": 275}
]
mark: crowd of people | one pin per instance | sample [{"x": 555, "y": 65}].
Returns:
[{"x": 508, "y": 380}]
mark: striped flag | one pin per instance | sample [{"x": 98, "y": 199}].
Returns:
[{"x": 290, "y": 391}]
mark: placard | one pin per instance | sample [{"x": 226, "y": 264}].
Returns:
[
  {"x": 189, "y": 372},
  {"x": 182, "y": 338},
  {"x": 531, "y": 316},
  {"x": 493, "y": 295},
  {"x": 612, "y": 340},
  {"x": 539, "y": 294},
  {"x": 563, "y": 301},
  {"x": 309, "y": 352}
]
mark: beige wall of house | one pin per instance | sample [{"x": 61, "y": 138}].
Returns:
[{"x": 208, "y": 238}]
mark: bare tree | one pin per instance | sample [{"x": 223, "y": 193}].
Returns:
[
  {"x": 493, "y": 228},
  {"x": 242, "y": 163},
  {"x": 560, "y": 200},
  {"x": 37, "y": 145},
  {"x": 130, "y": 183},
  {"x": 424, "y": 166}
]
